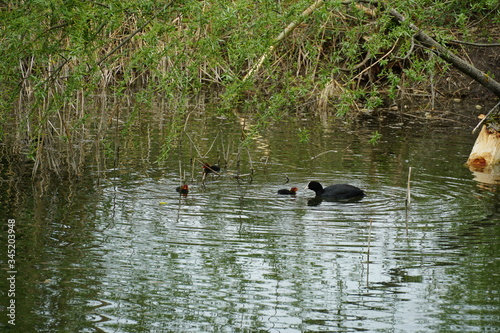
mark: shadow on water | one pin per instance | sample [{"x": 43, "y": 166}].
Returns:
[
  {"x": 122, "y": 251},
  {"x": 317, "y": 200}
]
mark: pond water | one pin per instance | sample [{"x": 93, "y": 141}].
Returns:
[{"x": 121, "y": 251}]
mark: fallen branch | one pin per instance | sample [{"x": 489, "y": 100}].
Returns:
[
  {"x": 466, "y": 68},
  {"x": 473, "y": 44}
]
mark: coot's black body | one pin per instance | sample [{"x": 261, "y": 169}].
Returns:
[
  {"x": 338, "y": 192},
  {"x": 207, "y": 168}
]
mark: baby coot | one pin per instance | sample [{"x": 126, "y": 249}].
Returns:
[
  {"x": 207, "y": 168},
  {"x": 292, "y": 191},
  {"x": 338, "y": 192},
  {"x": 184, "y": 189}
]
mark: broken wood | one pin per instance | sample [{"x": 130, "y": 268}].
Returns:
[{"x": 486, "y": 150}]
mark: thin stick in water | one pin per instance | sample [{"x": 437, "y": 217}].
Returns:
[
  {"x": 368, "y": 255},
  {"x": 250, "y": 160},
  {"x": 408, "y": 191},
  {"x": 180, "y": 173},
  {"x": 212, "y": 145},
  {"x": 194, "y": 145},
  {"x": 192, "y": 168}
]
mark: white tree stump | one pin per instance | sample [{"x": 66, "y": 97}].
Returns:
[{"x": 486, "y": 150}]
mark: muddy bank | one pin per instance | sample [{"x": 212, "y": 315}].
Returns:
[{"x": 484, "y": 54}]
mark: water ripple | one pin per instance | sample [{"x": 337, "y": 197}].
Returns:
[{"x": 232, "y": 251}]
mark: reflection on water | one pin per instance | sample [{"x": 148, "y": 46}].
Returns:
[
  {"x": 132, "y": 255},
  {"x": 487, "y": 176}
]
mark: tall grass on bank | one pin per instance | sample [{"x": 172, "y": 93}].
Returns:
[{"x": 65, "y": 62}]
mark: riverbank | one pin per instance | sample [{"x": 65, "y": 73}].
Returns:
[{"x": 73, "y": 81}]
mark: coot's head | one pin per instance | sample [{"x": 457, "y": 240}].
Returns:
[{"x": 315, "y": 186}]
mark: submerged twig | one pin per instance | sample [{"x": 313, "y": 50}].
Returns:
[
  {"x": 240, "y": 177},
  {"x": 323, "y": 153},
  {"x": 226, "y": 152},
  {"x": 369, "y": 238}
]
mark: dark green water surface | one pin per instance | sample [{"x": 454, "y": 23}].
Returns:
[{"x": 121, "y": 251}]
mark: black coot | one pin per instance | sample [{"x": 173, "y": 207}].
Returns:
[
  {"x": 291, "y": 191},
  {"x": 338, "y": 192}
]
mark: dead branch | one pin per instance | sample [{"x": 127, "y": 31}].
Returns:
[{"x": 478, "y": 75}]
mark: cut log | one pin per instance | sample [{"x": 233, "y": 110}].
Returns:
[{"x": 486, "y": 150}]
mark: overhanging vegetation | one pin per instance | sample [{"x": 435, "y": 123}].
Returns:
[{"x": 342, "y": 58}]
